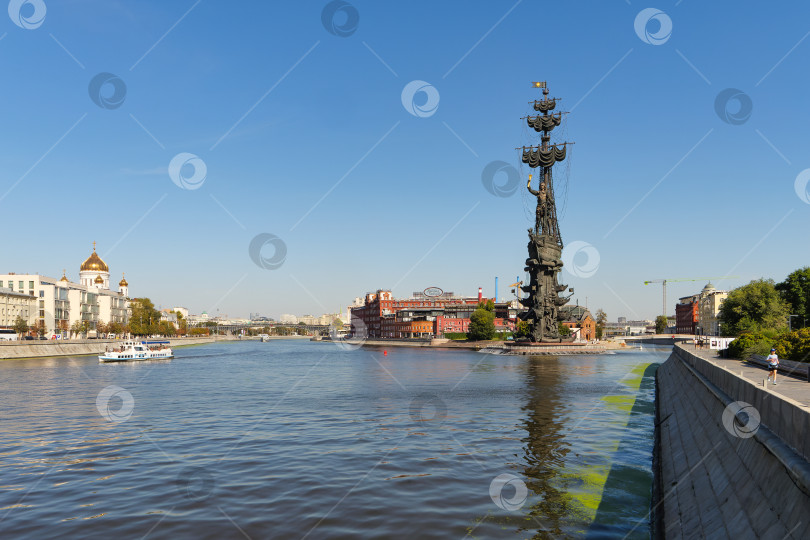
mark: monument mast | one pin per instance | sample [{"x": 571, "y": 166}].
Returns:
[{"x": 545, "y": 243}]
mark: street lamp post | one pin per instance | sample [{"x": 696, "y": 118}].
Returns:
[{"x": 790, "y": 320}]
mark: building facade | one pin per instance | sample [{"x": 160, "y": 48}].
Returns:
[
  {"x": 686, "y": 314},
  {"x": 16, "y": 304},
  {"x": 708, "y": 308},
  {"x": 580, "y": 321},
  {"x": 59, "y": 303},
  {"x": 422, "y": 316}
]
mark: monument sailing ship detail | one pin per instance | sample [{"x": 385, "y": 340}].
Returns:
[{"x": 545, "y": 243}]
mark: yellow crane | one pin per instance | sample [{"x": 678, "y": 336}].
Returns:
[{"x": 664, "y": 282}]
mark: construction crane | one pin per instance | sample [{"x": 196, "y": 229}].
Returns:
[{"x": 664, "y": 282}]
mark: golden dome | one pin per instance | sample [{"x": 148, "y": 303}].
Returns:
[
  {"x": 123, "y": 282},
  {"x": 99, "y": 280},
  {"x": 94, "y": 263},
  {"x": 64, "y": 277}
]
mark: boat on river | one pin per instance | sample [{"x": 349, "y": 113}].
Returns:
[{"x": 132, "y": 350}]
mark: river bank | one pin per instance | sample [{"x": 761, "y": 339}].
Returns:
[
  {"x": 498, "y": 347},
  {"x": 82, "y": 347}
]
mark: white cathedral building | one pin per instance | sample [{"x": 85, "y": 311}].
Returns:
[{"x": 59, "y": 303}]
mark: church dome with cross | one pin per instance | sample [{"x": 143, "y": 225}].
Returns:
[{"x": 94, "y": 272}]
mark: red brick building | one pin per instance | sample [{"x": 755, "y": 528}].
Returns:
[
  {"x": 579, "y": 320},
  {"x": 686, "y": 314},
  {"x": 422, "y": 316}
]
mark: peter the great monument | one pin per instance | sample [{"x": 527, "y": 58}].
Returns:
[{"x": 545, "y": 243}]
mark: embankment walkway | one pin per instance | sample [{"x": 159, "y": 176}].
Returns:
[{"x": 794, "y": 387}]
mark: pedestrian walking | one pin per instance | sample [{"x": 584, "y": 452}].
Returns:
[{"x": 773, "y": 365}]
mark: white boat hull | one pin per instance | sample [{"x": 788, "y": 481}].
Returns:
[
  {"x": 133, "y": 358},
  {"x": 132, "y": 351}
]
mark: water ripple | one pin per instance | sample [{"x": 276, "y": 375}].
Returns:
[{"x": 289, "y": 439}]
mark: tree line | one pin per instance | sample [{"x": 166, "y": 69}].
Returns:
[
  {"x": 144, "y": 321},
  {"x": 764, "y": 314}
]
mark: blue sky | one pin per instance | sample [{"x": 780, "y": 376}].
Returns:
[{"x": 304, "y": 136}]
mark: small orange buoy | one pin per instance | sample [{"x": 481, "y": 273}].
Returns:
[{"x": 385, "y": 353}]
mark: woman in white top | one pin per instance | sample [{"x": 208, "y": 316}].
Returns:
[{"x": 773, "y": 365}]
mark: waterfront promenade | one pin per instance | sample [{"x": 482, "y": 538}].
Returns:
[
  {"x": 80, "y": 347},
  {"x": 795, "y": 388},
  {"x": 733, "y": 454}
]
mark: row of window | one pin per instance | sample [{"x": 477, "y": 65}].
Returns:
[
  {"x": 13, "y": 309},
  {"x": 20, "y": 284}
]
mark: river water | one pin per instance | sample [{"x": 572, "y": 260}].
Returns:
[{"x": 292, "y": 439}]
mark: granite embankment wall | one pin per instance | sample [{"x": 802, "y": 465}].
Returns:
[
  {"x": 77, "y": 347},
  {"x": 726, "y": 472}
]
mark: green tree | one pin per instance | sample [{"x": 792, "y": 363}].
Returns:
[
  {"x": 20, "y": 326},
  {"x": 76, "y": 328},
  {"x": 165, "y": 328},
  {"x": 145, "y": 318},
  {"x": 482, "y": 325},
  {"x": 660, "y": 324},
  {"x": 795, "y": 290},
  {"x": 750, "y": 343},
  {"x": 522, "y": 329},
  {"x": 39, "y": 328},
  {"x": 793, "y": 345},
  {"x": 753, "y": 307},
  {"x": 601, "y": 321},
  {"x": 488, "y": 305},
  {"x": 563, "y": 330}
]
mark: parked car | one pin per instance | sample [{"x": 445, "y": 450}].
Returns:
[{"x": 28, "y": 338}]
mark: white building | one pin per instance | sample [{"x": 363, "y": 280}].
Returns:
[
  {"x": 708, "y": 310},
  {"x": 169, "y": 316},
  {"x": 16, "y": 304},
  {"x": 286, "y": 318},
  {"x": 60, "y": 302}
]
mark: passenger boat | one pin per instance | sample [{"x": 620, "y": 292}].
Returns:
[{"x": 132, "y": 350}]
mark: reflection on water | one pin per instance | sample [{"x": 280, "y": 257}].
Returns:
[
  {"x": 588, "y": 444},
  {"x": 546, "y": 446},
  {"x": 291, "y": 439}
]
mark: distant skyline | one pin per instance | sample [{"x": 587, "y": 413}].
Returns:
[{"x": 289, "y": 158}]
